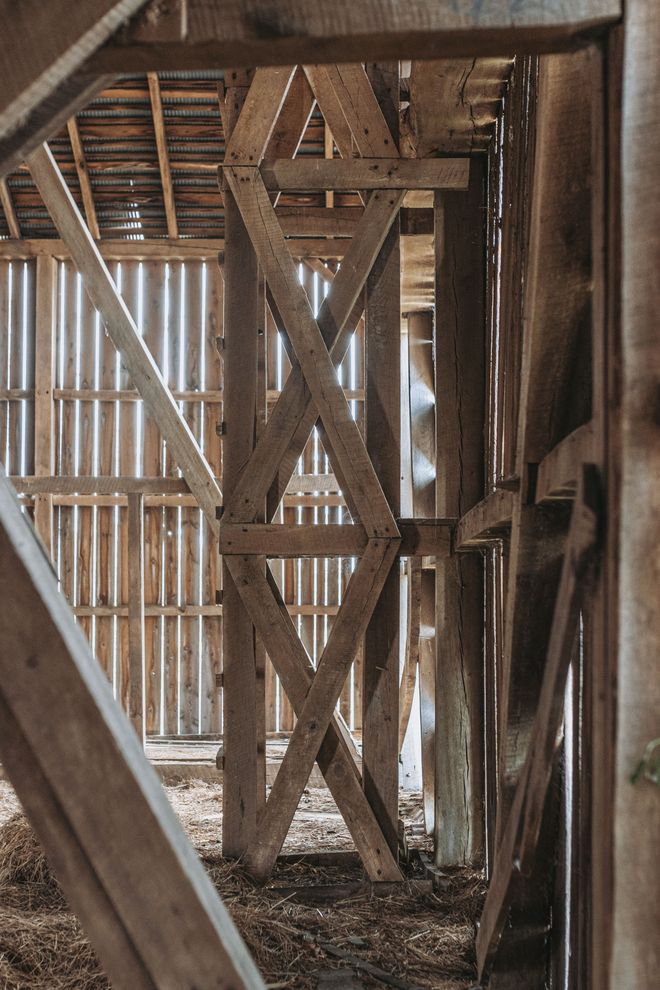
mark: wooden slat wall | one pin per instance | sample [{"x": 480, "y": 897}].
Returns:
[{"x": 178, "y": 309}]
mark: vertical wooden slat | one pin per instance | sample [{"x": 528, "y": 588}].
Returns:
[
  {"x": 460, "y": 395},
  {"x": 380, "y": 702},
  {"x": 136, "y": 666},
  {"x": 44, "y": 379}
]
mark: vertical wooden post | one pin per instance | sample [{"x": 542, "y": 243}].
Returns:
[
  {"x": 136, "y": 671},
  {"x": 460, "y": 400},
  {"x": 380, "y": 700},
  {"x": 240, "y": 732},
  {"x": 44, "y": 380},
  {"x": 636, "y": 906}
]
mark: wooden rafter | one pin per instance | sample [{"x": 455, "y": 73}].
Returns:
[
  {"x": 110, "y": 834},
  {"x": 124, "y": 333},
  {"x": 83, "y": 178},
  {"x": 156, "y": 100}
]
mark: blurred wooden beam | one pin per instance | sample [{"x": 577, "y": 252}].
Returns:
[{"x": 9, "y": 211}]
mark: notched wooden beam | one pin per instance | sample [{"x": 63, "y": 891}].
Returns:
[{"x": 487, "y": 522}]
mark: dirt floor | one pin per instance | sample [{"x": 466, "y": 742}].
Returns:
[{"x": 311, "y": 927}]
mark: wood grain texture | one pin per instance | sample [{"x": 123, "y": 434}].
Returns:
[
  {"x": 460, "y": 394},
  {"x": 136, "y": 644},
  {"x": 368, "y": 173},
  {"x": 163, "y": 154},
  {"x": 113, "y": 840},
  {"x": 282, "y": 33},
  {"x": 84, "y": 180}
]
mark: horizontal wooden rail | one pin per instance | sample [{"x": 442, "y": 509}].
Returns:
[
  {"x": 366, "y": 173},
  {"x": 486, "y": 522}
]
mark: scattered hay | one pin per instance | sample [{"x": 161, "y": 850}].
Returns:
[{"x": 424, "y": 940}]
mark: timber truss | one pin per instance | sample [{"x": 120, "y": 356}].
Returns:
[{"x": 312, "y": 393}]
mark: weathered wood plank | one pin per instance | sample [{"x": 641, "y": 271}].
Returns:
[
  {"x": 108, "y": 830},
  {"x": 273, "y": 32},
  {"x": 251, "y": 133},
  {"x": 8, "y": 208},
  {"x": 317, "y": 174},
  {"x": 559, "y": 471},
  {"x": 486, "y": 522},
  {"x": 44, "y": 380}
]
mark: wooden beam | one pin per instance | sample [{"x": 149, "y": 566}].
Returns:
[
  {"x": 521, "y": 833},
  {"x": 83, "y": 178},
  {"x": 111, "y": 836},
  {"x": 486, "y": 522},
  {"x": 331, "y": 107},
  {"x": 559, "y": 471},
  {"x": 124, "y": 333},
  {"x": 171, "y": 250},
  {"x": 242, "y": 700},
  {"x": 136, "y": 656},
  {"x": 265, "y": 32},
  {"x": 163, "y": 154},
  {"x": 317, "y": 174},
  {"x": 42, "y": 55},
  {"x": 9, "y": 211},
  {"x": 336, "y": 756},
  {"x": 376, "y": 112},
  {"x": 97, "y": 485},
  {"x": 251, "y": 134},
  {"x": 294, "y": 117},
  {"x": 44, "y": 380},
  {"x": 460, "y": 395},
  {"x": 636, "y": 511}
]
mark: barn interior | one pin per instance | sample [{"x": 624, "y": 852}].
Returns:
[{"x": 329, "y": 491}]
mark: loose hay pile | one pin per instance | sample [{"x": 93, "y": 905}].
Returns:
[{"x": 423, "y": 940}]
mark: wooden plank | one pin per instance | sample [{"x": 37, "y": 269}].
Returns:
[
  {"x": 521, "y": 834},
  {"x": 252, "y": 131},
  {"x": 122, "y": 329},
  {"x": 44, "y": 379},
  {"x": 163, "y": 154},
  {"x": 314, "y": 718},
  {"x": 336, "y": 756},
  {"x": 460, "y": 396},
  {"x": 83, "y": 178},
  {"x": 486, "y": 522},
  {"x": 9, "y": 211},
  {"x": 317, "y": 174},
  {"x": 108, "y": 484},
  {"x": 376, "y": 113},
  {"x": 559, "y": 471},
  {"x": 311, "y": 350},
  {"x": 269, "y": 32},
  {"x": 136, "y": 652},
  {"x": 411, "y": 659},
  {"x": 331, "y": 107},
  {"x": 174, "y": 250},
  {"x": 104, "y": 821}
]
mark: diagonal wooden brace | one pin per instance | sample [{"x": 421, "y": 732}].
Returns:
[
  {"x": 335, "y": 756},
  {"x": 311, "y": 350},
  {"x": 294, "y": 406},
  {"x": 362, "y": 594}
]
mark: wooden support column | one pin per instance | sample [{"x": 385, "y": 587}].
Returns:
[
  {"x": 241, "y": 320},
  {"x": 460, "y": 398},
  {"x": 636, "y": 906},
  {"x": 44, "y": 380},
  {"x": 136, "y": 671},
  {"x": 380, "y": 696}
]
